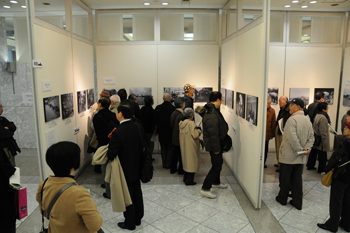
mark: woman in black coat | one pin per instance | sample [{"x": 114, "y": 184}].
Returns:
[
  {"x": 339, "y": 204},
  {"x": 7, "y": 209}
]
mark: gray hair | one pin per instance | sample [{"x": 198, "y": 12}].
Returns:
[
  {"x": 188, "y": 112},
  {"x": 115, "y": 98},
  {"x": 179, "y": 101},
  {"x": 166, "y": 96}
]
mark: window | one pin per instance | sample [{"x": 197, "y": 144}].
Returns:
[
  {"x": 80, "y": 21},
  {"x": 55, "y": 13},
  {"x": 276, "y": 28}
]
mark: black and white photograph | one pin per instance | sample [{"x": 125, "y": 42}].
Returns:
[
  {"x": 51, "y": 108},
  {"x": 90, "y": 98},
  {"x": 81, "y": 101},
  {"x": 301, "y": 93},
  {"x": 201, "y": 94},
  {"x": 141, "y": 93},
  {"x": 346, "y": 97},
  {"x": 229, "y": 99},
  {"x": 328, "y": 94},
  {"x": 252, "y": 109},
  {"x": 240, "y": 104},
  {"x": 273, "y": 93},
  {"x": 112, "y": 91},
  {"x": 67, "y": 105},
  {"x": 223, "y": 93},
  {"x": 175, "y": 91}
]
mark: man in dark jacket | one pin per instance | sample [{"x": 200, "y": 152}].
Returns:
[
  {"x": 175, "y": 118},
  {"x": 312, "y": 109},
  {"x": 189, "y": 91},
  {"x": 135, "y": 108},
  {"x": 215, "y": 130},
  {"x": 162, "y": 115},
  {"x": 127, "y": 143},
  {"x": 282, "y": 114},
  {"x": 8, "y": 145},
  {"x": 104, "y": 122}
]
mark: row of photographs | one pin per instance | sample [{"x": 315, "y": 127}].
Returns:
[
  {"x": 250, "y": 113},
  {"x": 52, "y": 104}
]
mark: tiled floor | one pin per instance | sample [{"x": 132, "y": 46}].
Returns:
[{"x": 170, "y": 206}]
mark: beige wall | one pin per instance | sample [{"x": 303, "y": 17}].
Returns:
[{"x": 346, "y": 75}]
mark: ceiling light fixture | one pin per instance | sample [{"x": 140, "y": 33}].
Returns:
[
  {"x": 165, "y": 3},
  {"x": 312, "y": 2},
  {"x": 146, "y": 3},
  {"x": 7, "y": 7},
  {"x": 24, "y": 6},
  {"x": 304, "y": 6},
  {"x": 295, "y": 1},
  {"x": 287, "y": 6},
  {"x": 13, "y": 1},
  {"x": 46, "y": 3}
]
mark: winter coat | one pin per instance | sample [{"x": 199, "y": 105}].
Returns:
[
  {"x": 215, "y": 127},
  {"x": 283, "y": 114},
  {"x": 298, "y": 133},
  {"x": 270, "y": 124},
  {"x": 189, "y": 145},
  {"x": 188, "y": 101},
  {"x": 321, "y": 128},
  {"x": 104, "y": 122},
  {"x": 312, "y": 110},
  {"x": 175, "y": 119},
  {"x": 6, "y": 136},
  {"x": 162, "y": 115},
  {"x": 147, "y": 113}
]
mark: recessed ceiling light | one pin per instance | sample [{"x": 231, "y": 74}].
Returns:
[
  {"x": 287, "y": 6},
  {"x": 24, "y": 6},
  {"x": 146, "y": 3},
  {"x": 46, "y": 3},
  {"x": 13, "y": 1},
  {"x": 295, "y": 1},
  {"x": 7, "y": 7},
  {"x": 304, "y": 6},
  {"x": 165, "y": 3},
  {"x": 335, "y": 4},
  {"x": 312, "y": 2}
]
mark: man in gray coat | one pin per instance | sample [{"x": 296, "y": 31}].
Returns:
[{"x": 297, "y": 141}]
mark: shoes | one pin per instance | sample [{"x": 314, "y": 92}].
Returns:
[
  {"x": 265, "y": 166},
  {"x": 180, "y": 172},
  {"x": 291, "y": 202},
  {"x": 311, "y": 168},
  {"x": 138, "y": 223},
  {"x": 345, "y": 229},
  {"x": 278, "y": 170},
  {"x": 324, "y": 227},
  {"x": 123, "y": 226},
  {"x": 103, "y": 186},
  {"x": 173, "y": 171},
  {"x": 220, "y": 186},
  {"x": 289, "y": 195},
  {"x": 190, "y": 183},
  {"x": 106, "y": 196},
  {"x": 207, "y": 194},
  {"x": 276, "y": 165},
  {"x": 279, "y": 201}
]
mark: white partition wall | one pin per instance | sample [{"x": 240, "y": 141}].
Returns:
[{"x": 345, "y": 85}]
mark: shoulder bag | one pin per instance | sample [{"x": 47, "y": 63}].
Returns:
[
  {"x": 226, "y": 144},
  {"x": 327, "y": 179}
]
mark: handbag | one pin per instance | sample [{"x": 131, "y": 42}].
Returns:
[
  {"x": 327, "y": 179},
  {"x": 318, "y": 140},
  {"x": 93, "y": 141},
  {"x": 226, "y": 144},
  {"x": 20, "y": 199}
]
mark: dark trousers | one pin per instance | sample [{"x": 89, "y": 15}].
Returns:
[
  {"x": 213, "y": 176},
  {"x": 291, "y": 179},
  {"x": 176, "y": 158},
  {"x": 150, "y": 143},
  {"x": 8, "y": 230},
  {"x": 322, "y": 159},
  {"x": 339, "y": 206},
  {"x": 188, "y": 177},
  {"x": 134, "y": 213},
  {"x": 165, "y": 151},
  {"x": 266, "y": 151}
]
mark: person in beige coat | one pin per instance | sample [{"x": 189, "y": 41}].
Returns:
[
  {"x": 321, "y": 129},
  {"x": 189, "y": 145},
  {"x": 74, "y": 210}
]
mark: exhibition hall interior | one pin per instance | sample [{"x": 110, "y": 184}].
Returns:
[{"x": 58, "y": 55}]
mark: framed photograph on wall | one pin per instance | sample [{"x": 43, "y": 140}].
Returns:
[
  {"x": 346, "y": 97},
  {"x": 252, "y": 109},
  {"x": 201, "y": 94},
  {"x": 81, "y": 101},
  {"x": 229, "y": 98},
  {"x": 301, "y": 93},
  {"x": 175, "y": 91},
  {"x": 90, "y": 98},
  {"x": 51, "y": 108},
  {"x": 141, "y": 93},
  {"x": 240, "y": 104},
  {"x": 67, "y": 105},
  {"x": 223, "y": 93},
  {"x": 273, "y": 93},
  {"x": 112, "y": 91},
  {"x": 328, "y": 94}
]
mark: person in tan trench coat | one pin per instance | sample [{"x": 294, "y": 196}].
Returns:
[{"x": 189, "y": 145}]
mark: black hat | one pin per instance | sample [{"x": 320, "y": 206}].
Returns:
[{"x": 297, "y": 101}]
